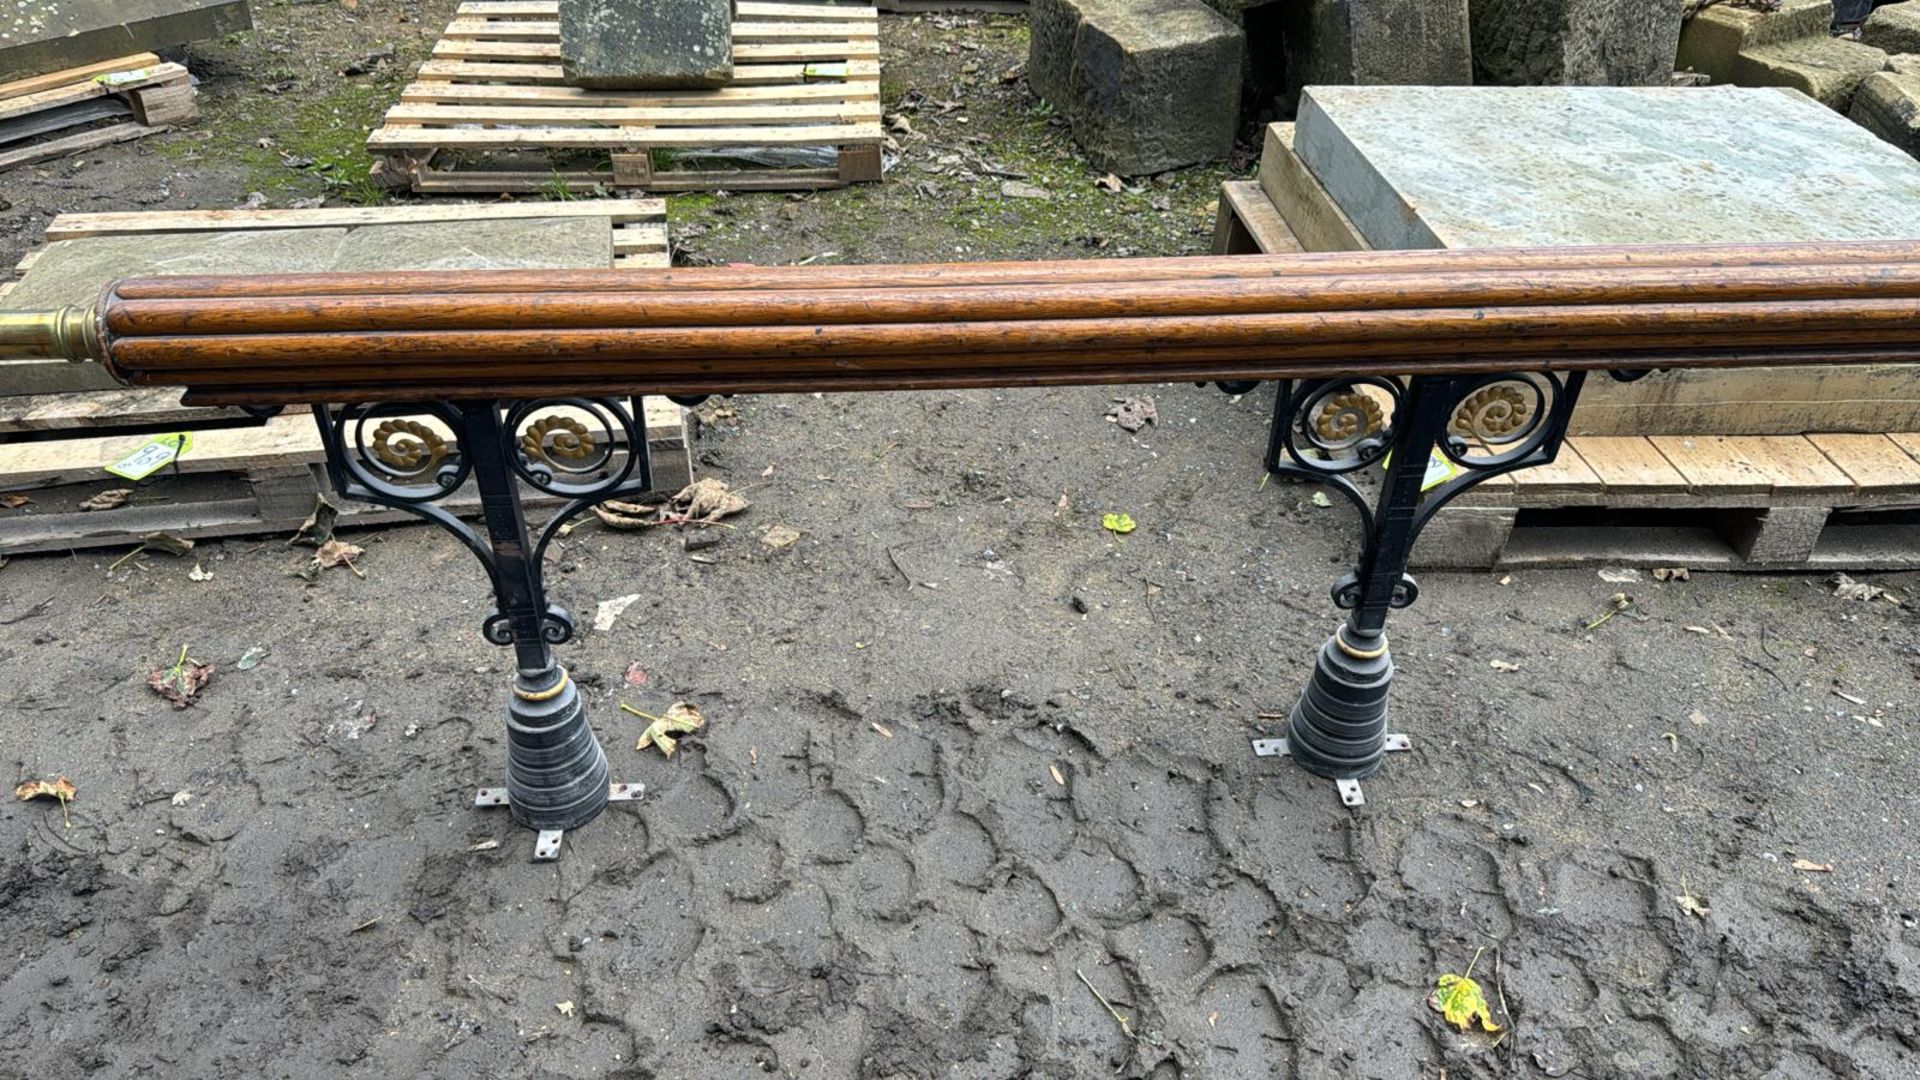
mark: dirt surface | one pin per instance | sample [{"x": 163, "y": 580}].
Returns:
[{"x": 964, "y": 748}]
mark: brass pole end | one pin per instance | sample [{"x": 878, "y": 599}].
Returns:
[{"x": 68, "y": 333}]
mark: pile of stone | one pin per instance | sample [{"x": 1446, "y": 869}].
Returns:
[{"x": 646, "y": 44}]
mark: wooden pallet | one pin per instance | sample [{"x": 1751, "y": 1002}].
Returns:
[
  {"x": 1705, "y": 502},
  {"x": 244, "y": 476},
  {"x": 140, "y": 94},
  {"x": 806, "y": 74}
]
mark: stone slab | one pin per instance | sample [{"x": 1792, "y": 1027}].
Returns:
[
  {"x": 1575, "y": 42},
  {"x": 1375, "y": 43},
  {"x": 39, "y": 36},
  {"x": 1895, "y": 28},
  {"x": 1888, "y": 104},
  {"x": 75, "y": 271},
  {"x": 1146, "y": 85},
  {"x": 1419, "y": 167},
  {"x": 646, "y": 44}
]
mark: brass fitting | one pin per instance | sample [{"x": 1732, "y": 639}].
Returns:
[{"x": 68, "y": 333}]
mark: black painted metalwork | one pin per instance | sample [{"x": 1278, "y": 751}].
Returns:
[
  {"x": 581, "y": 450},
  {"x": 1432, "y": 438}
]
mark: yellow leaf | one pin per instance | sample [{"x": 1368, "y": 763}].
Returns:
[
  {"x": 1118, "y": 524},
  {"x": 680, "y": 719},
  {"x": 61, "y": 789},
  {"x": 1461, "y": 1001}
]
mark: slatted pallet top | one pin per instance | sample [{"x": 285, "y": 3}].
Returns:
[{"x": 805, "y": 73}]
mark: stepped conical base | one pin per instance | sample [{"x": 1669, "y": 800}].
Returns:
[
  {"x": 1338, "y": 729},
  {"x": 556, "y": 770}
]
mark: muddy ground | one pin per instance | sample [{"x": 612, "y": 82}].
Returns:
[{"x": 934, "y": 793}]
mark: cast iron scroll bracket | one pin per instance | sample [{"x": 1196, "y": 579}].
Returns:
[
  {"x": 1432, "y": 438},
  {"x": 411, "y": 456}
]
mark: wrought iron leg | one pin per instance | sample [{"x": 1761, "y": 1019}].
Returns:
[
  {"x": 408, "y": 456},
  {"x": 1433, "y": 437}
]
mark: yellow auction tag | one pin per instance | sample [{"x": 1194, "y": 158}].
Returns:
[{"x": 154, "y": 454}]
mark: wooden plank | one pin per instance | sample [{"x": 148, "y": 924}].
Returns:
[
  {"x": 1568, "y": 474},
  {"x": 491, "y": 94},
  {"x": 78, "y": 226},
  {"x": 543, "y": 116},
  {"x": 1309, "y": 211},
  {"x": 1796, "y": 466},
  {"x": 746, "y": 53},
  {"x": 1908, "y": 441},
  {"x": 75, "y": 144},
  {"x": 532, "y": 30},
  {"x": 1875, "y": 463},
  {"x": 84, "y": 73},
  {"x": 388, "y": 139},
  {"x": 1254, "y": 212},
  {"x": 281, "y": 440},
  {"x": 1629, "y": 466},
  {"x": 637, "y": 239},
  {"x": 1713, "y": 464},
  {"x": 139, "y": 78},
  {"x": 147, "y": 407},
  {"x": 52, "y": 377},
  {"x": 1856, "y": 398},
  {"x": 551, "y": 74},
  {"x": 446, "y": 182}
]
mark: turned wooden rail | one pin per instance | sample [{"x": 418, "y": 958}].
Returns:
[{"x": 468, "y": 335}]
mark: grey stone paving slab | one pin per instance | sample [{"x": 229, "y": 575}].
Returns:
[
  {"x": 38, "y": 36},
  {"x": 646, "y": 44},
  {"x": 1423, "y": 167},
  {"x": 75, "y": 271}
]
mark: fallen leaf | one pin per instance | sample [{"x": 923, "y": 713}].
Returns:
[
  {"x": 181, "y": 682},
  {"x": 181, "y": 798},
  {"x": 13, "y": 500},
  {"x": 636, "y": 675},
  {"x": 167, "y": 542},
  {"x": 708, "y": 499},
  {"x": 251, "y": 658},
  {"x": 779, "y": 536},
  {"x": 1697, "y": 717},
  {"x": 1132, "y": 414},
  {"x": 60, "y": 788},
  {"x": 1461, "y": 1002},
  {"x": 1693, "y": 905},
  {"x": 318, "y": 528},
  {"x": 1811, "y": 867},
  {"x": 1320, "y": 500},
  {"x": 615, "y": 514},
  {"x": 1058, "y": 777},
  {"x": 1619, "y": 576},
  {"x": 1118, "y": 524},
  {"x": 881, "y": 728},
  {"x": 1503, "y": 665},
  {"x": 566, "y": 1008},
  {"x": 338, "y": 553},
  {"x": 1111, "y": 182},
  {"x": 680, "y": 719},
  {"x": 1672, "y": 573},
  {"x": 611, "y": 610},
  {"x": 766, "y": 472},
  {"x": 199, "y": 573},
  {"x": 1846, "y": 588},
  {"x": 108, "y": 500}
]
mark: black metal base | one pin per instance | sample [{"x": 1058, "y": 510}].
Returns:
[
  {"x": 556, "y": 770},
  {"x": 1338, "y": 728}
]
